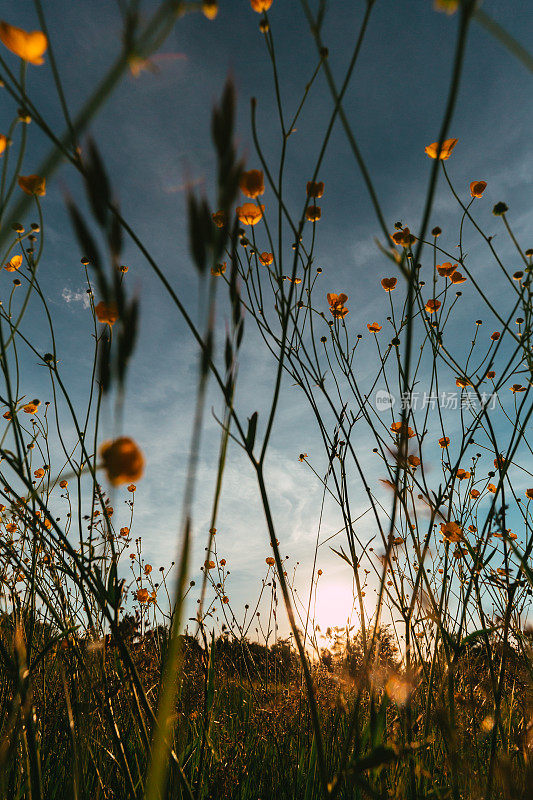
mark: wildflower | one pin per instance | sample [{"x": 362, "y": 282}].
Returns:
[
  {"x": 3, "y": 143},
  {"x": 436, "y": 231},
  {"x": 13, "y": 264},
  {"x": 477, "y": 188},
  {"x": 252, "y": 183},
  {"x": 122, "y": 460},
  {"x": 219, "y": 269},
  {"x": 491, "y": 488},
  {"x": 373, "y": 327},
  {"x": 389, "y": 283},
  {"x": 219, "y": 218},
  {"x": 448, "y": 6},
  {"x": 142, "y": 595},
  {"x": 399, "y": 427},
  {"x": 403, "y": 237},
  {"x": 222, "y": 562},
  {"x": 106, "y": 312},
  {"x": 147, "y": 569},
  {"x": 457, "y": 278},
  {"x": 495, "y": 336},
  {"x": 28, "y": 45},
  {"x": 474, "y": 494},
  {"x": 491, "y": 374},
  {"x": 529, "y": 493},
  {"x": 209, "y": 564},
  {"x": 462, "y": 474},
  {"x": 260, "y": 5},
  {"x": 414, "y": 461},
  {"x": 462, "y": 382},
  {"x": 124, "y": 531},
  {"x": 270, "y": 561},
  {"x": 446, "y": 269},
  {"x": 63, "y": 484},
  {"x": 444, "y": 442},
  {"x": 313, "y": 213},
  {"x": 131, "y": 487},
  {"x": 336, "y": 305},
  {"x": 517, "y": 387},
  {"x": 517, "y": 276},
  {"x": 266, "y": 258},
  {"x": 250, "y": 214},
  {"x": 315, "y": 189},
  {"x": 210, "y": 8},
  {"x": 31, "y": 408},
  {"x": 432, "y": 306},
  {"x": 451, "y": 531},
  {"x": 32, "y": 184},
  {"x": 302, "y": 457},
  {"x": 499, "y": 461},
  {"x": 39, "y": 472},
  {"x": 447, "y": 146},
  {"x": 123, "y": 268}
]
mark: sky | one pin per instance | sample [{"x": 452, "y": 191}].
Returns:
[{"x": 154, "y": 136}]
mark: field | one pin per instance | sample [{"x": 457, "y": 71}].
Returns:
[{"x": 266, "y": 504}]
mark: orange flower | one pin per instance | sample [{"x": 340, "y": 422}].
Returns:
[
  {"x": 39, "y": 472},
  {"x": 336, "y": 305},
  {"x": 495, "y": 336},
  {"x": 457, "y": 278},
  {"x": 389, "y": 283},
  {"x": 477, "y": 188},
  {"x": 529, "y": 493},
  {"x": 250, "y": 214},
  {"x": 491, "y": 374},
  {"x": 448, "y": 6},
  {"x": 219, "y": 218},
  {"x": 14, "y": 264},
  {"x": 122, "y": 460},
  {"x": 131, "y": 487},
  {"x": 210, "y": 8},
  {"x": 499, "y": 461},
  {"x": 63, "y": 484},
  {"x": 444, "y": 441},
  {"x": 124, "y": 531},
  {"x": 260, "y": 5},
  {"x": 28, "y": 45},
  {"x": 404, "y": 237},
  {"x": 414, "y": 461},
  {"x": 446, "y": 269},
  {"x": 32, "y": 184},
  {"x": 432, "y": 306},
  {"x": 313, "y": 213},
  {"x": 315, "y": 189},
  {"x": 266, "y": 258},
  {"x": 270, "y": 561},
  {"x": 252, "y": 183},
  {"x": 219, "y": 269},
  {"x": 462, "y": 474},
  {"x": 474, "y": 494},
  {"x": 491, "y": 488},
  {"x": 31, "y": 408},
  {"x": 447, "y": 146},
  {"x": 373, "y": 327},
  {"x": 517, "y": 387},
  {"x": 451, "y": 531},
  {"x": 462, "y": 382},
  {"x": 106, "y": 312},
  {"x": 3, "y": 143},
  {"x": 142, "y": 595},
  {"x": 398, "y": 427}
]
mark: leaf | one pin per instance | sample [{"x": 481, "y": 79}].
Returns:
[{"x": 250, "y": 435}]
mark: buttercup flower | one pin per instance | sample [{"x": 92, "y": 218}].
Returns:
[
  {"x": 32, "y": 184},
  {"x": 444, "y": 441},
  {"x": 448, "y": 6},
  {"x": 313, "y": 213},
  {"x": 250, "y": 214},
  {"x": 260, "y": 5},
  {"x": 446, "y": 269},
  {"x": 477, "y": 188},
  {"x": 456, "y": 277},
  {"x": 63, "y": 484},
  {"x": 219, "y": 218},
  {"x": 122, "y": 460},
  {"x": 106, "y": 312},
  {"x": 529, "y": 493},
  {"x": 389, "y": 283},
  {"x": 3, "y": 143},
  {"x": 447, "y": 147},
  {"x": 270, "y": 561},
  {"x": 28, "y": 45},
  {"x": 404, "y": 238},
  {"x": 462, "y": 474},
  {"x": 315, "y": 189},
  {"x": 451, "y": 531},
  {"x": 252, "y": 183},
  {"x": 373, "y": 327},
  {"x": 210, "y": 8},
  {"x": 219, "y": 269},
  {"x": 462, "y": 382},
  {"x": 432, "y": 306},
  {"x": 266, "y": 258},
  {"x": 13, "y": 264},
  {"x": 336, "y": 305}
]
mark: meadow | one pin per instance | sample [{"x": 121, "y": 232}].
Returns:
[{"x": 120, "y": 678}]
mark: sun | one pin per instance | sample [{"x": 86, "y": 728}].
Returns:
[{"x": 335, "y": 605}]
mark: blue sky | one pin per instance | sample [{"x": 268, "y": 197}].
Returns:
[{"x": 154, "y": 137}]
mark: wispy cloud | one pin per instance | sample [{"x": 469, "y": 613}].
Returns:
[{"x": 71, "y": 296}]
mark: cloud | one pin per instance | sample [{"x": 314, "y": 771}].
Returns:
[{"x": 70, "y": 296}]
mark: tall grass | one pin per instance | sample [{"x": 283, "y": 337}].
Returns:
[{"x": 104, "y": 692}]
